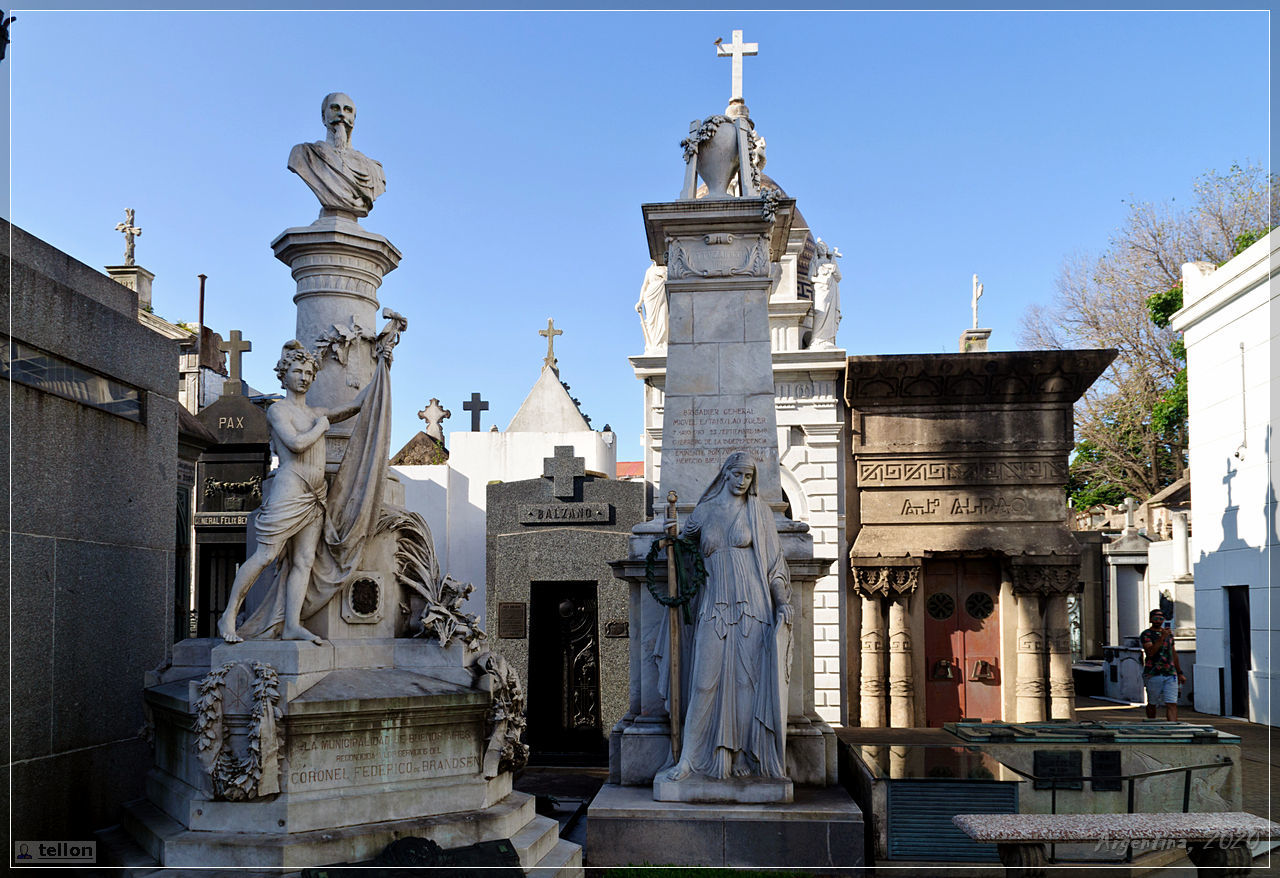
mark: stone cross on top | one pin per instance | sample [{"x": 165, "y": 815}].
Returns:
[
  {"x": 233, "y": 348},
  {"x": 434, "y": 414},
  {"x": 563, "y": 469},
  {"x": 977, "y": 294},
  {"x": 475, "y": 405},
  {"x": 1130, "y": 513},
  {"x": 736, "y": 49},
  {"x": 129, "y": 230},
  {"x": 550, "y": 334}
]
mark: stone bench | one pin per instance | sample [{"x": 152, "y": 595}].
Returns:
[{"x": 1213, "y": 840}]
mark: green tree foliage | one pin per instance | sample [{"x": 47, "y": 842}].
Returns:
[{"x": 1131, "y": 427}]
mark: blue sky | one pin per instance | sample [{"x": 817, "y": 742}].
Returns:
[{"x": 518, "y": 148}]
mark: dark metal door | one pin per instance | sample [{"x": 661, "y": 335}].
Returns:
[{"x": 564, "y": 675}]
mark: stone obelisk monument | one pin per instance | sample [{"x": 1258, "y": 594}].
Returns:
[
  {"x": 337, "y": 264},
  {"x": 719, "y": 245}
]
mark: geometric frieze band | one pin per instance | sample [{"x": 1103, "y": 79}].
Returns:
[{"x": 892, "y": 473}]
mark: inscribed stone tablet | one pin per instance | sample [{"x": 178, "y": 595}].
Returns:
[
  {"x": 512, "y": 617},
  {"x": 1057, "y": 763}
]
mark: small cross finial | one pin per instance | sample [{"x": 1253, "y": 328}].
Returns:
[
  {"x": 434, "y": 414},
  {"x": 475, "y": 405},
  {"x": 550, "y": 334},
  {"x": 977, "y": 294},
  {"x": 233, "y": 348},
  {"x": 129, "y": 230},
  {"x": 1130, "y": 513},
  {"x": 563, "y": 469},
  {"x": 736, "y": 49}
]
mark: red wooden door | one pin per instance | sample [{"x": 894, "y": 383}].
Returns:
[
  {"x": 978, "y": 614},
  {"x": 962, "y": 640},
  {"x": 943, "y": 645}
]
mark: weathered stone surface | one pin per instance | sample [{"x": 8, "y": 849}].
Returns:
[
  {"x": 535, "y": 536},
  {"x": 822, "y": 828}
]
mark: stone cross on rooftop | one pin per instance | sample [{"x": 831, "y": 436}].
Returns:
[
  {"x": 475, "y": 405},
  {"x": 1130, "y": 513},
  {"x": 977, "y": 294},
  {"x": 434, "y": 414},
  {"x": 563, "y": 469},
  {"x": 129, "y": 230},
  {"x": 736, "y": 49},
  {"x": 233, "y": 348},
  {"x": 550, "y": 334}
]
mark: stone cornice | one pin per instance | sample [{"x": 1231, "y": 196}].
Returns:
[{"x": 998, "y": 378}]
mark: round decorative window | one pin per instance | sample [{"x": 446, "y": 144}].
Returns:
[
  {"x": 364, "y": 596},
  {"x": 979, "y": 605},
  {"x": 940, "y": 606}
]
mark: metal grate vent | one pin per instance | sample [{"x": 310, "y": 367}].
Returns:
[{"x": 919, "y": 823}]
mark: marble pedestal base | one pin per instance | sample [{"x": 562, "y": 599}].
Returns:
[
  {"x": 733, "y": 790},
  {"x": 821, "y": 829},
  {"x": 379, "y": 738}
]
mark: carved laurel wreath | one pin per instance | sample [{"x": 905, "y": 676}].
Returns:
[
  {"x": 688, "y": 586},
  {"x": 236, "y": 779}
]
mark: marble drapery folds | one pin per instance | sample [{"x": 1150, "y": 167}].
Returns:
[{"x": 735, "y": 653}]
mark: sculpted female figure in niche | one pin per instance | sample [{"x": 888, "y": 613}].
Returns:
[{"x": 735, "y": 719}]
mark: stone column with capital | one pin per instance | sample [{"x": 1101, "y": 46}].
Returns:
[
  {"x": 872, "y": 711},
  {"x": 1029, "y": 685},
  {"x": 1062, "y": 690},
  {"x": 902, "y": 693},
  {"x": 338, "y": 267}
]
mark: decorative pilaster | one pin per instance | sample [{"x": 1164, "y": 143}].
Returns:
[
  {"x": 902, "y": 695},
  {"x": 1062, "y": 690},
  {"x": 873, "y": 659},
  {"x": 1029, "y": 686}
]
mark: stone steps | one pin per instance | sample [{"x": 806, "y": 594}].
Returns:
[
  {"x": 562, "y": 861},
  {"x": 536, "y": 840},
  {"x": 147, "y": 836}
]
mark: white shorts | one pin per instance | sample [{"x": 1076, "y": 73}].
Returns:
[{"x": 1162, "y": 689}]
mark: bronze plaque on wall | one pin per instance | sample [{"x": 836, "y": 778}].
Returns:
[{"x": 512, "y": 619}]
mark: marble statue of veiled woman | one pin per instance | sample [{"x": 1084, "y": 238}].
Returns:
[{"x": 735, "y": 708}]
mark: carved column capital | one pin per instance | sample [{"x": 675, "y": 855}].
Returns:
[
  {"x": 889, "y": 580},
  {"x": 1047, "y": 579}
]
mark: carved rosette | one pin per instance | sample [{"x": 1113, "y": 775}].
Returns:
[
  {"x": 888, "y": 580},
  {"x": 1047, "y": 579}
]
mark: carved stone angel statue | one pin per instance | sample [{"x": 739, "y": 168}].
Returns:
[
  {"x": 735, "y": 701},
  {"x": 826, "y": 299}
]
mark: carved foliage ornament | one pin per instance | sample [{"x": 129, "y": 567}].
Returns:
[
  {"x": 418, "y": 571},
  {"x": 886, "y": 580},
  {"x": 505, "y": 720},
  {"x": 237, "y": 779},
  {"x": 1046, "y": 578},
  {"x": 705, "y": 132}
]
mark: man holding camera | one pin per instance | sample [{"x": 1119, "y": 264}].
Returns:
[{"x": 1161, "y": 672}]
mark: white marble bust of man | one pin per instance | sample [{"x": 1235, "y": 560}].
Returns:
[{"x": 344, "y": 179}]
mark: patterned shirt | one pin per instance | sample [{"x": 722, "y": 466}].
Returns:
[{"x": 1159, "y": 664}]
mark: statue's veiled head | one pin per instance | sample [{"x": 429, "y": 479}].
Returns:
[{"x": 338, "y": 107}]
